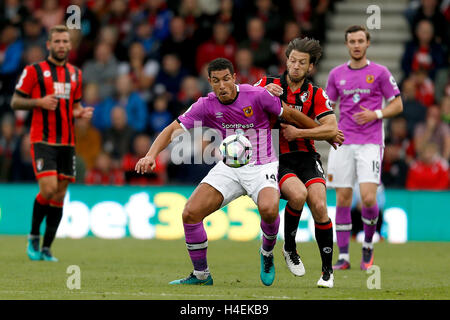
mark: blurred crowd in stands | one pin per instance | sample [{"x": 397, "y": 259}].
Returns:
[
  {"x": 417, "y": 149},
  {"x": 143, "y": 64}
]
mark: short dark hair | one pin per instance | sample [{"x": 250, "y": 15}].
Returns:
[
  {"x": 220, "y": 64},
  {"x": 306, "y": 45},
  {"x": 357, "y": 28}
]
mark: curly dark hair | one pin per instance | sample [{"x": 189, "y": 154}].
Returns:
[{"x": 306, "y": 45}]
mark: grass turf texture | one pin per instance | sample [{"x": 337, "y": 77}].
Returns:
[{"x": 141, "y": 269}]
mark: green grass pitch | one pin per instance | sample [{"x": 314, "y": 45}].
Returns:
[{"x": 141, "y": 269}]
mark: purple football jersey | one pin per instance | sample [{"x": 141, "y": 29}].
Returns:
[
  {"x": 249, "y": 112},
  {"x": 361, "y": 87}
]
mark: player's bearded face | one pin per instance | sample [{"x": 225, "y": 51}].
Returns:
[
  {"x": 223, "y": 84},
  {"x": 59, "y": 46},
  {"x": 357, "y": 45},
  {"x": 298, "y": 66}
]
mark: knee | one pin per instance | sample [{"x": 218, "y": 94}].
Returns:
[
  {"x": 48, "y": 191},
  {"x": 268, "y": 211},
  {"x": 189, "y": 214},
  {"x": 344, "y": 199},
  {"x": 59, "y": 195},
  {"x": 319, "y": 211},
  {"x": 368, "y": 200},
  {"x": 298, "y": 199}
]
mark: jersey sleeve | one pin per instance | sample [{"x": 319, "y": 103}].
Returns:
[
  {"x": 270, "y": 103},
  {"x": 261, "y": 82},
  {"x": 194, "y": 116},
  {"x": 331, "y": 90},
  {"x": 322, "y": 104},
  {"x": 27, "y": 81},
  {"x": 388, "y": 85},
  {"x": 79, "y": 90}
]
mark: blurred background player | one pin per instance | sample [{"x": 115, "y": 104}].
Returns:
[
  {"x": 360, "y": 85},
  {"x": 225, "y": 107},
  {"x": 52, "y": 89},
  {"x": 301, "y": 176}
]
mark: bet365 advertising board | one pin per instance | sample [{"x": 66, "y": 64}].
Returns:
[{"x": 154, "y": 212}]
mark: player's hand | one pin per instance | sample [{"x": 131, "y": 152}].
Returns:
[
  {"x": 274, "y": 89},
  {"x": 83, "y": 113},
  {"x": 289, "y": 132},
  {"x": 338, "y": 140},
  {"x": 49, "y": 102},
  {"x": 364, "y": 116},
  {"x": 145, "y": 163}
]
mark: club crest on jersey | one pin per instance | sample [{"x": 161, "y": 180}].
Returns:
[
  {"x": 61, "y": 90},
  {"x": 370, "y": 78},
  {"x": 304, "y": 96},
  {"x": 39, "y": 164},
  {"x": 248, "y": 111}
]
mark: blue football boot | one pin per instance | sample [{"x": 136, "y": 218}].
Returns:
[
  {"x": 267, "y": 269},
  {"x": 47, "y": 255},
  {"x": 33, "y": 250},
  {"x": 193, "y": 280}
]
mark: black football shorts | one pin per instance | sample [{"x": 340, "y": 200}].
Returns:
[
  {"x": 304, "y": 165},
  {"x": 53, "y": 160}
]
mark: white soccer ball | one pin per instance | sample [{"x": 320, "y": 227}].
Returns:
[{"x": 236, "y": 150}]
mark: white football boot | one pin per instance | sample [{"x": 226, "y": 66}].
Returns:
[
  {"x": 326, "y": 280},
  {"x": 294, "y": 263}
]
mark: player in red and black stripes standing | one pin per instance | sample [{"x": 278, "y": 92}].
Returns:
[
  {"x": 52, "y": 90},
  {"x": 300, "y": 174}
]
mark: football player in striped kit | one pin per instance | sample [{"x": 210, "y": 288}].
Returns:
[
  {"x": 301, "y": 176},
  {"x": 51, "y": 89}
]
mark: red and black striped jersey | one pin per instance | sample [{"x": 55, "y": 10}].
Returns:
[
  {"x": 65, "y": 82},
  {"x": 309, "y": 99}
]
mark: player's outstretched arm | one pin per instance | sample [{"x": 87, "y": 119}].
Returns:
[
  {"x": 161, "y": 142},
  {"x": 49, "y": 102},
  {"x": 299, "y": 119}
]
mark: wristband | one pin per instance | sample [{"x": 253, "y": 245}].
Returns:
[{"x": 379, "y": 114}]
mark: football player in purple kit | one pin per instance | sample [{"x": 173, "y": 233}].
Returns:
[
  {"x": 360, "y": 85},
  {"x": 231, "y": 106}
]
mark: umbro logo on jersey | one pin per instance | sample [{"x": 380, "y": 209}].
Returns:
[
  {"x": 219, "y": 114},
  {"x": 47, "y": 73}
]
